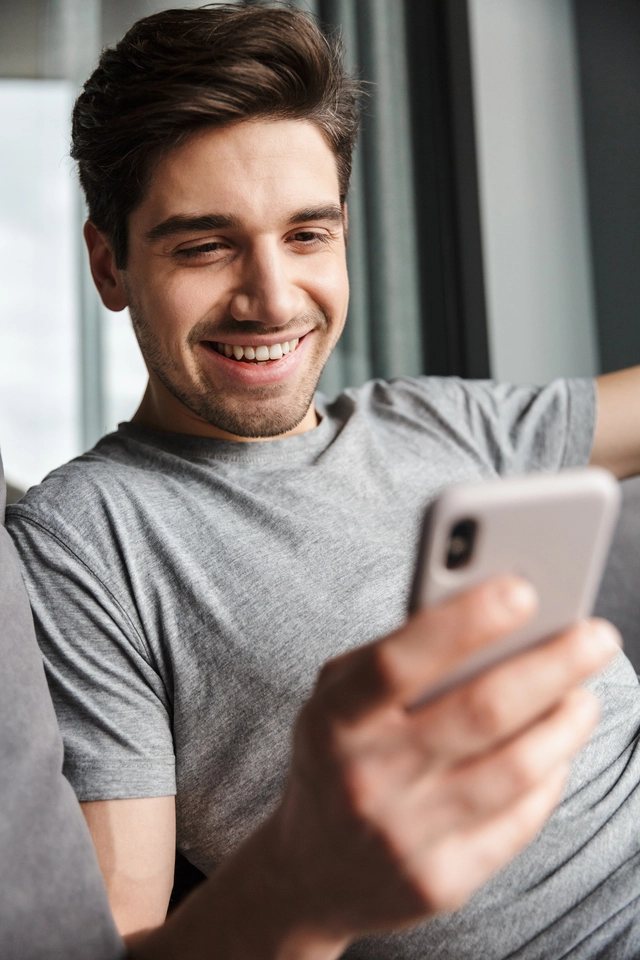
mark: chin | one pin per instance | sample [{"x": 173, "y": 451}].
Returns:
[
  {"x": 250, "y": 417},
  {"x": 257, "y": 425}
]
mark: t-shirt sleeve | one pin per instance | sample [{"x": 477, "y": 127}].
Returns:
[
  {"x": 513, "y": 428},
  {"x": 113, "y": 708}
]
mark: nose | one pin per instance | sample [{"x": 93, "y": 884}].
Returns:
[{"x": 267, "y": 292}]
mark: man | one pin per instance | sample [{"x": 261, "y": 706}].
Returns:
[
  {"x": 53, "y": 902},
  {"x": 190, "y": 576}
]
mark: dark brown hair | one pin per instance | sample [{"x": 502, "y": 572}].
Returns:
[{"x": 180, "y": 71}]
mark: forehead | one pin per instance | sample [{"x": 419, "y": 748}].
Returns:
[{"x": 256, "y": 171}]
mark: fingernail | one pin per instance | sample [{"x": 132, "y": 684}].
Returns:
[{"x": 517, "y": 596}]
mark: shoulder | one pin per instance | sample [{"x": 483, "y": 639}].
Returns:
[
  {"x": 444, "y": 394},
  {"x": 451, "y": 402},
  {"x": 81, "y": 495},
  {"x": 510, "y": 427},
  {"x": 380, "y": 399}
]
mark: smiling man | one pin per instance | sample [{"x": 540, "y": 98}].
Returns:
[{"x": 194, "y": 574}]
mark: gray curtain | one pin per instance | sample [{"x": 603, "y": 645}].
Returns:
[{"x": 383, "y": 336}]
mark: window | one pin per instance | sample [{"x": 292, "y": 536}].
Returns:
[
  {"x": 41, "y": 265},
  {"x": 38, "y": 279}
]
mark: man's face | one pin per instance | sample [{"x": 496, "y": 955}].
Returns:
[{"x": 239, "y": 243}]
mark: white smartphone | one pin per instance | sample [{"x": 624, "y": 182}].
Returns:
[{"x": 554, "y": 530}]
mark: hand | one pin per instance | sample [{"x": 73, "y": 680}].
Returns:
[{"x": 390, "y": 816}]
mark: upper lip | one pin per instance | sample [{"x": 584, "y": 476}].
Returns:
[{"x": 258, "y": 342}]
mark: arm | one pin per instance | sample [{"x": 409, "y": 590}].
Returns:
[
  {"x": 136, "y": 842},
  {"x": 616, "y": 444},
  {"x": 391, "y": 816}
]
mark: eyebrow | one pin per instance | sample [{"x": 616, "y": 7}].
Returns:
[
  {"x": 330, "y": 211},
  {"x": 220, "y": 221},
  {"x": 180, "y": 224}
]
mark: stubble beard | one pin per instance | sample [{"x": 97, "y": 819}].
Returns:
[{"x": 254, "y": 416}]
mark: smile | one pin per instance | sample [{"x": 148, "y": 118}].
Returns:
[{"x": 260, "y": 354}]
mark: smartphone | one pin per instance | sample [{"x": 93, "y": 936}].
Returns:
[{"x": 554, "y": 530}]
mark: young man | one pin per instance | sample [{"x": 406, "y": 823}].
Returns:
[
  {"x": 190, "y": 576},
  {"x": 53, "y": 901}
]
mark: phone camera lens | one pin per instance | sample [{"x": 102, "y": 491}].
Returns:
[{"x": 460, "y": 544}]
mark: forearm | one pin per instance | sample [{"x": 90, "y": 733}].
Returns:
[
  {"x": 135, "y": 841},
  {"x": 616, "y": 443},
  {"x": 248, "y": 910}
]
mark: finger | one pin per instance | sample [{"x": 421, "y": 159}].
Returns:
[
  {"x": 481, "y": 788},
  {"x": 448, "y": 874},
  {"x": 430, "y": 645},
  {"x": 513, "y": 694}
]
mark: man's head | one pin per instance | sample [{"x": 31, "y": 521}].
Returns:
[{"x": 214, "y": 147}]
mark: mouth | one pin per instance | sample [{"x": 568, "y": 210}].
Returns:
[{"x": 259, "y": 354}]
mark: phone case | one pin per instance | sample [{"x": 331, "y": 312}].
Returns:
[{"x": 552, "y": 529}]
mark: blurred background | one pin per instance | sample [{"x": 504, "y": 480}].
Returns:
[{"x": 494, "y": 211}]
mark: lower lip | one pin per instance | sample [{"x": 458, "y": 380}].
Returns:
[{"x": 256, "y": 374}]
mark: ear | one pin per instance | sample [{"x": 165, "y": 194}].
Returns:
[{"x": 106, "y": 276}]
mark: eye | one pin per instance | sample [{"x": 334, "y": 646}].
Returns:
[
  {"x": 193, "y": 253},
  {"x": 309, "y": 237}
]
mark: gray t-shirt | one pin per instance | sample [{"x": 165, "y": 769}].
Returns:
[
  {"x": 186, "y": 592},
  {"x": 53, "y": 903}
]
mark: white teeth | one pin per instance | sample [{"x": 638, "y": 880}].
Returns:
[{"x": 260, "y": 354}]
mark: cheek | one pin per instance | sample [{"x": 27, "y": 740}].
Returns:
[
  {"x": 175, "y": 304},
  {"x": 328, "y": 286}
]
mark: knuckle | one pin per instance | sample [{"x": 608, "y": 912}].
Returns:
[
  {"x": 471, "y": 618},
  {"x": 385, "y": 664},
  {"x": 361, "y": 789},
  {"x": 337, "y": 693},
  {"x": 324, "y": 698},
  {"x": 497, "y": 606},
  {"x": 521, "y": 771},
  {"x": 479, "y": 606},
  {"x": 436, "y": 891},
  {"x": 428, "y": 889},
  {"x": 486, "y": 710},
  {"x": 330, "y": 683},
  {"x": 473, "y": 609},
  {"x": 572, "y": 649},
  {"x": 326, "y": 674},
  {"x": 469, "y": 803}
]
